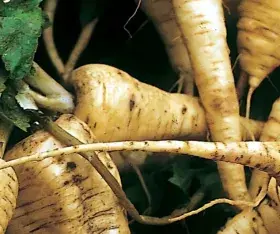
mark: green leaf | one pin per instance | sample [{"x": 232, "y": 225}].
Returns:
[
  {"x": 21, "y": 24},
  {"x": 11, "y": 111},
  {"x": 182, "y": 174}
]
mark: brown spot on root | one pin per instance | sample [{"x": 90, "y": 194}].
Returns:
[
  {"x": 71, "y": 166},
  {"x": 77, "y": 179},
  {"x": 132, "y": 102},
  {"x": 104, "y": 95},
  {"x": 87, "y": 119},
  {"x": 184, "y": 110},
  {"x": 258, "y": 165},
  {"x": 139, "y": 111},
  {"x": 66, "y": 182}
]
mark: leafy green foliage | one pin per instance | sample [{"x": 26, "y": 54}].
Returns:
[{"x": 21, "y": 26}]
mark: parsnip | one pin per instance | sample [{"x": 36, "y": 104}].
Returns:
[
  {"x": 259, "y": 182},
  {"x": 273, "y": 193},
  {"x": 162, "y": 14},
  {"x": 8, "y": 182},
  {"x": 8, "y": 196},
  {"x": 202, "y": 24},
  {"x": 264, "y": 156},
  {"x": 260, "y": 179},
  {"x": 64, "y": 194},
  {"x": 118, "y": 107},
  {"x": 258, "y": 40},
  {"x": 246, "y": 222}
]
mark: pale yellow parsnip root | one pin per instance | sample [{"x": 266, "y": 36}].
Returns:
[
  {"x": 270, "y": 216},
  {"x": 64, "y": 194},
  {"x": 260, "y": 180},
  {"x": 162, "y": 14},
  {"x": 258, "y": 40},
  {"x": 8, "y": 196},
  {"x": 203, "y": 26},
  {"x": 271, "y": 132},
  {"x": 246, "y": 222},
  {"x": 8, "y": 181},
  {"x": 264, "y": 156},
  {"x": 269, "y": 213},
  {"x": 118, "y": 107},
  {"x": 273, "y": 193}
]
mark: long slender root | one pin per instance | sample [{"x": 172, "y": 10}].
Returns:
[
  {"x": 242, "y": 84},
  {"x": 80, "y": 46},
  {"x": 50, "y": 7},
  {"x": 264, "y": 156}
]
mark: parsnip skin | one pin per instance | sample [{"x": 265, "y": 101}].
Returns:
[
  {"x": 258, "y": 38},
  {"x": 118, "y": 107},
  {"x": 8, "y": 196},
  {"x": 8, "y": 181},
  {"x": 260, "y": 180},
  {"x": 273, "y": 193},
  {"x": 64, "y": 194},
  {"x": 264, "y": 156},
  {"x": 202, "y": 24},
  {"x": 246, "y": 222},
  {"x": 162, "y": 14}
]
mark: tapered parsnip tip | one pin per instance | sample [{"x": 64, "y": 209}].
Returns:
[{"x": 254, "y": 82}]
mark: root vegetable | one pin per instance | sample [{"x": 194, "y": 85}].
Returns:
[
  {"x": 247, "y": 222},
  {"x": 258, "y": 40},
  {"x": 260, "y": 179},
  {"x": 64, "y": 194},
  {"x": 202, "y": 24},
  {"x": 264, "y": 156},
  {"x": 8, "y": 182},
  {"x": 118, "y": 107},
  {"x": 162, "y": 14},
  {"x": 8, "y": 196},
  {"x": 273, "y": 193}
]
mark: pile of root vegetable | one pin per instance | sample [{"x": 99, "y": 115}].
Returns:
[{"x": 94, "y": 119}]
